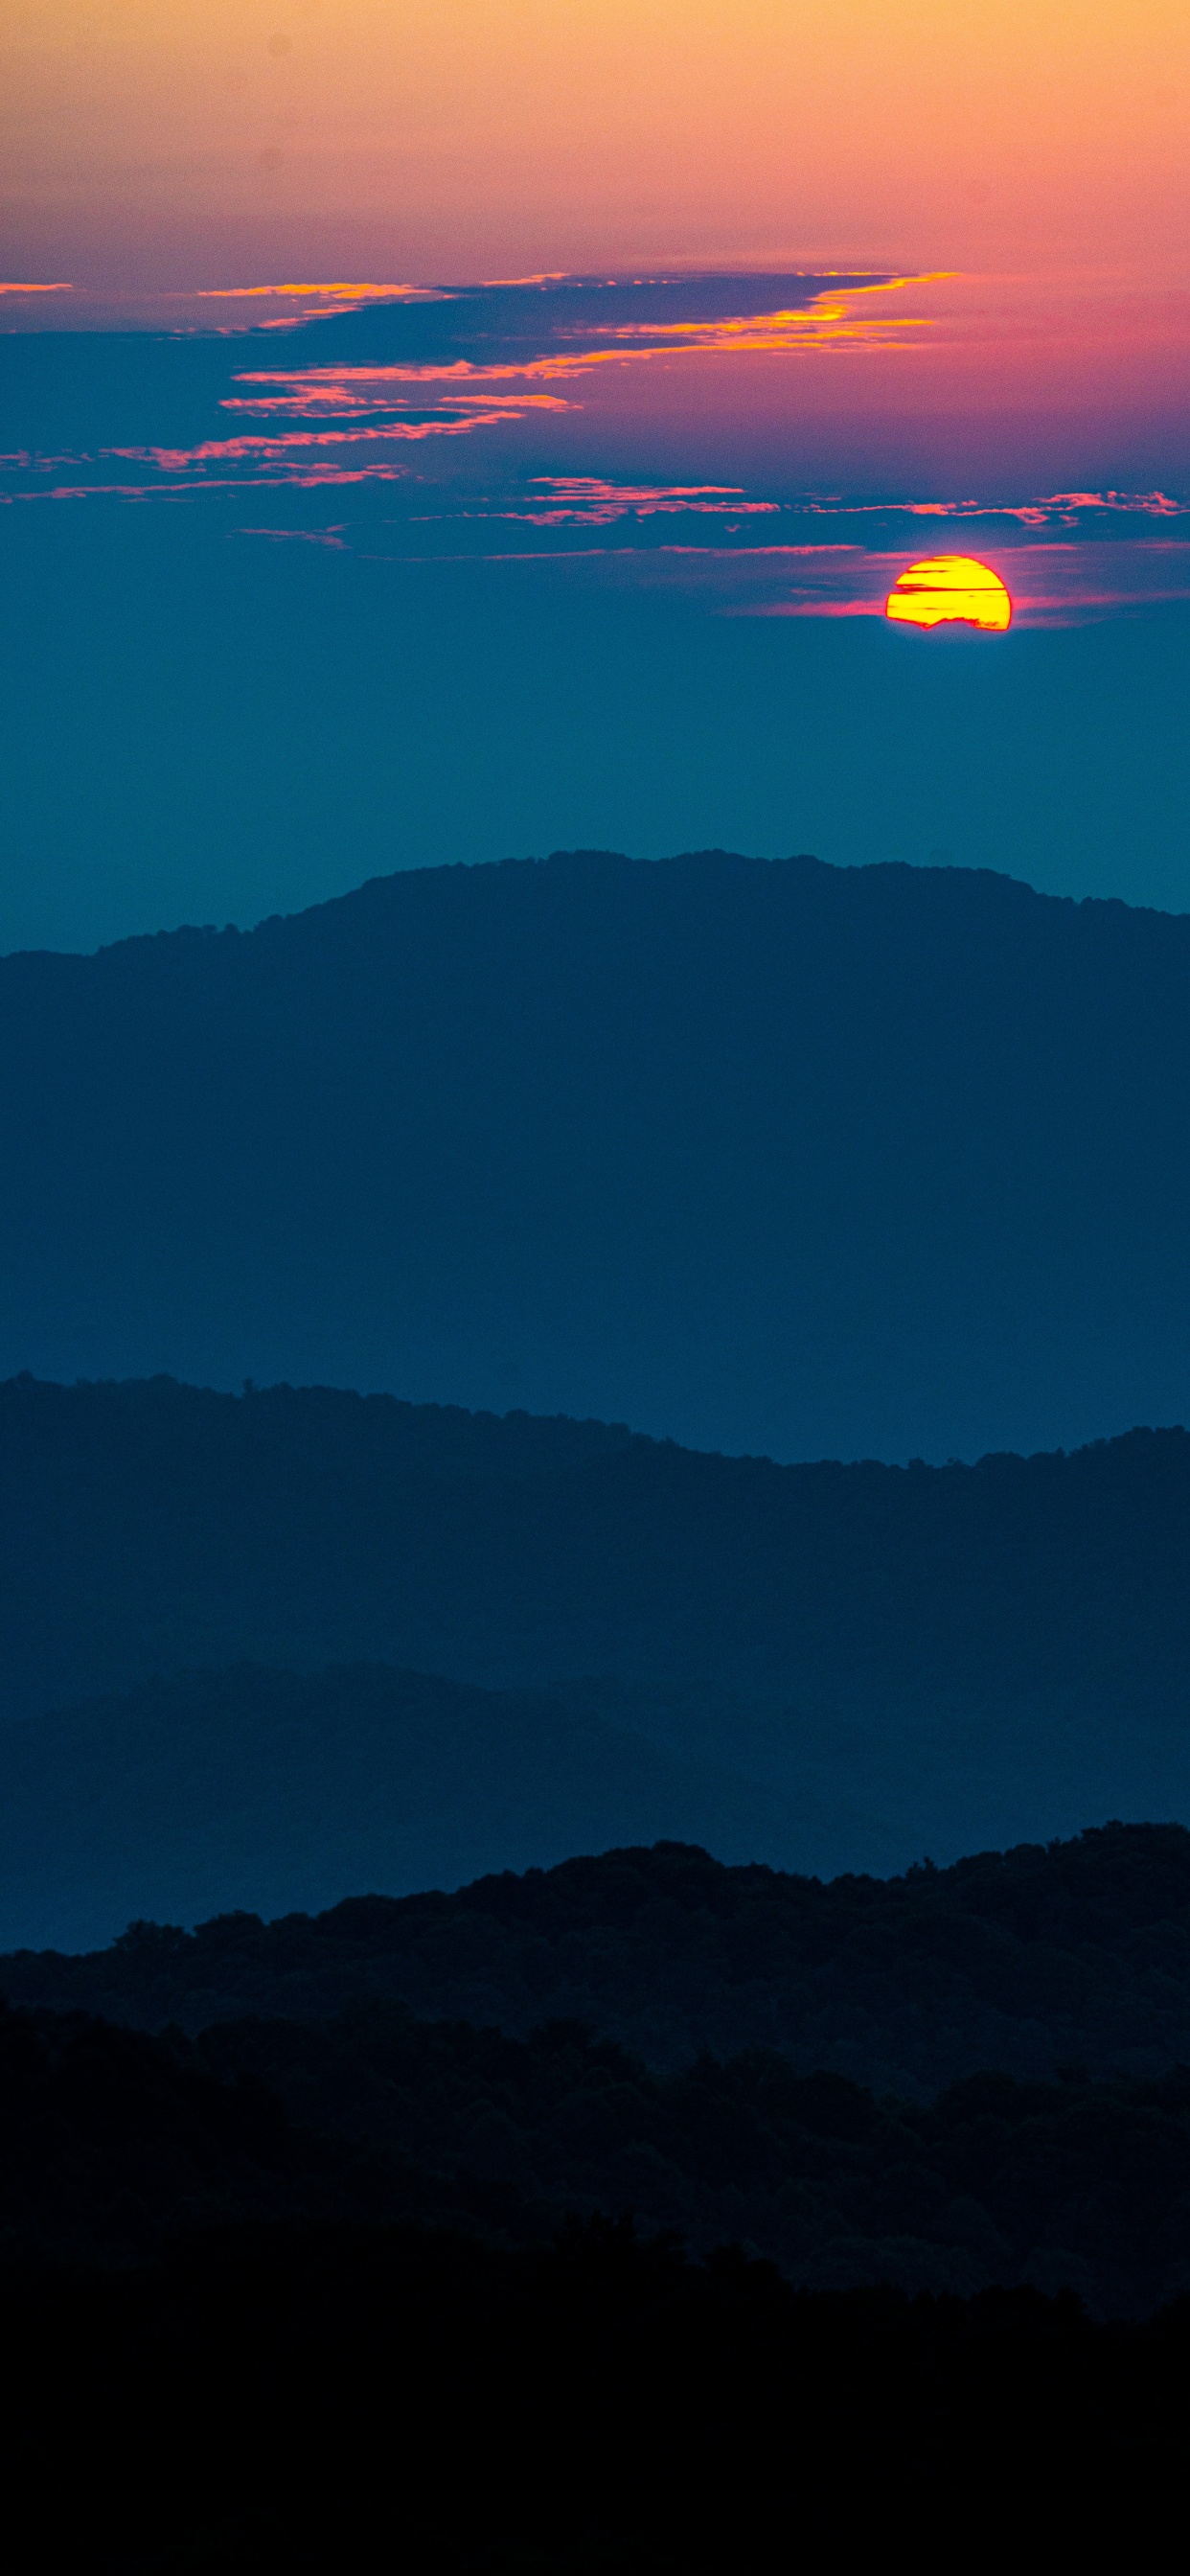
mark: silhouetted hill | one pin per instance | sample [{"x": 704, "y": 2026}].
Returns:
[
  {"x": 910, "y": 1659},
  {"x": 765, "y": 1156},
  {"x": 277, "y": 1790},
  {"x": 987, "y": 2185},
  {"x": 279, "y": 2401},
  {"x": 111, "y": 2143},
  {"x": 1029, "y": 1961}
]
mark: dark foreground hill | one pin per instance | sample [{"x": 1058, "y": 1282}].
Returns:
[
  {"x": 274, "y": 2402},
  {"x": 1030, "y": 1961},
  {"x": 112, "y": 2142},
  {"x": 768, "y": 1156},
  {"x": 910, "y": 1659}
]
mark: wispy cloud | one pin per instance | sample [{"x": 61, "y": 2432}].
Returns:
[
  {"x": 262, "y": 449},
  {"x": 828, "y": 319},
  {"x": 1066, "y": 583},
  {"x": 833, "y": 318},
  {"x": 1071, "y": 582},
  {"x": 364, "y": 393},
  {"x": 335, "y": 291},
  {"x": 368, "y": 398},
  {"x": 583, "y": 500},
  {"x": 303, "y": 300},
  {"x": 1060, "y": 509},
  {"x": 331, "y": 537}
]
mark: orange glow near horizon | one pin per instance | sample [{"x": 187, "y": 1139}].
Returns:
[
  {"x": 950, "y": 590},
  {"x": 156, "y": 148}
]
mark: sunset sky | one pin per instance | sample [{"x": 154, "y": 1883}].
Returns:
[
  {"x": 806, "y": 296},
  {"x": 160, "y": 146}
]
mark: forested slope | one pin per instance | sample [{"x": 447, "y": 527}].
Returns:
[
  {"x": 112, "y": 2143},
  {"x": 1030, "y": 1961}
]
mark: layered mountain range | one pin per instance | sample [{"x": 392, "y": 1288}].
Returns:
[{"x": 269, "y": 1649}]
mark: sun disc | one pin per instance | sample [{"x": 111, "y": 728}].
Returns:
[{"x": 948, "y": 590}]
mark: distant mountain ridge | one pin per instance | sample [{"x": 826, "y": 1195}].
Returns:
[
  {"x": 276, "y": 1790},
  {"x": 903, "y": 1660},
  {"x": 766, "y": 1156}
]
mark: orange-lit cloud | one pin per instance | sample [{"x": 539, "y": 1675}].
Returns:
[
  {"x": 336, "y": 291},
  {"x": 828, "y": 321}
]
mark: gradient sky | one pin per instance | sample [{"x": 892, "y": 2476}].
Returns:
[
  {"x": 468, "y": 137},
  {"x": 320, "y": 557}
]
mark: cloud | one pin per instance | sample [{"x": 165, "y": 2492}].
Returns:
[
  {"x": 363, "y": 394},
  {"x": 448, "y": 363},
  {"x": 582, "y": 500},
  {"x": 1061, "y": 509},
  {"x": 287, "y": 456},
  {"x": 342, "y": 294},
  {"x": 563, "y": 346},
  {"x": 336, "y": 289},
  {"x": 1064, "y": 583},
  {"x": 331, "y": 537}
]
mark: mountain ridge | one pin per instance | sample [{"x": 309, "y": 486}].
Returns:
[
  {"x": 1030, "y": 1960},
  {"x": 369, "y": 897},
  {"x": 905, "y": 1659},
  {"x": 766, "y": 1155},
  {"x": 214, "y": 1791}
]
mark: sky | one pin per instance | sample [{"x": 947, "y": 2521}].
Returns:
[{"x": 454, "y": 432}]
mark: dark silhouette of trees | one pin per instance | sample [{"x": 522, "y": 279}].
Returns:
[
  {"x": 297, "y": 2397},
  {"x": 111, "y": 2141},
  {"x": 1028, "y": 1960}
]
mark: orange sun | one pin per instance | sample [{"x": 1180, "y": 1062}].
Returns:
[{"x": 950, "y": 590}]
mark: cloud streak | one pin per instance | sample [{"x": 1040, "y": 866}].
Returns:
[
  {"x": 369, "y": 398},
  {"x": 583, "y": 500}
]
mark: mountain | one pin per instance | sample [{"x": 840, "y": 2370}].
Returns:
[
  {"x": 1031, "y": 1961},
  {"x": 277, "y": 1790},
  {"x": 905, "y": 1660},
  {"x": 760, "y": 1155},
  {"x": 113, "y": 2143},
  {"x": 984, "y": 2187}
]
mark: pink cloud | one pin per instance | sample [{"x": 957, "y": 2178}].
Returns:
[
  {"x": 1063, "y": 507},
  {"x": 319, "y": 393},
  {"x": 290, "y": 449},
  {"x": 337, "y": 291},
  {"x": 582, "y": 500}
]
